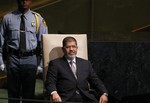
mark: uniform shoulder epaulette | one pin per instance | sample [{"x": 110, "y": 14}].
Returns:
[
  {"x": 37, "y": 21},
  {"x": 35, "y": 13},
  {"x": 43, "y": 21}
]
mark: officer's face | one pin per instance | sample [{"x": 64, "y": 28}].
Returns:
[{"x": 24, "y": 4}]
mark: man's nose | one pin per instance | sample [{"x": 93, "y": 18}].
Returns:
[{"x": 71, "y": 47}]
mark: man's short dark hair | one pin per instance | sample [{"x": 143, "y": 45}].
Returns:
[{"x": 68, "y": 39}]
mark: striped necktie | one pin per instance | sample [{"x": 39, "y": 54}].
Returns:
[{"x": 73, "y": 68}]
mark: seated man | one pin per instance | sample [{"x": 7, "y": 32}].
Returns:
[{"x": 68, "y": 78}]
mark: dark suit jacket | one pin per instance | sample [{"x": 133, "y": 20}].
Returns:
[{"x": 61, "y": 79}]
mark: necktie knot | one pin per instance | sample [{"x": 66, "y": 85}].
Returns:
[
  {"x": 22, "y": 16},
  {"x": 22, "y": 23},
  {"x": 71, "y": 62}
]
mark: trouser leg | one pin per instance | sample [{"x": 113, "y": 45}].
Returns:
[
  {"x": 28, "y": 84},
  {"x": 28, "y": 78},
  {"x": 13, "y": 80},
  {"x": 21, "y": 75}
]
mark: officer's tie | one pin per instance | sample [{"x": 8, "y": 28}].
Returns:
[
  {"x": 22, "y": 34},
  {"x": 73, "y": 68}
]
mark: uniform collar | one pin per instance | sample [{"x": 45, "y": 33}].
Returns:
[{"x": 25, "y": 15}]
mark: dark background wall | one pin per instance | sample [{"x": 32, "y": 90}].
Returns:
[
  {"x": 124, "y": 68},
  {"x": 119, "y": 56},
  {"x": 102, "y": 20}
]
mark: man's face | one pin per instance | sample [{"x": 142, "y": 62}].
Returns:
[
  {"x": 24, "y": 4},
  {"x": 70, "y": 49}
]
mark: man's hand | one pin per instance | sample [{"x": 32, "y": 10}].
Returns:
[
  {"x": 55, "y": 97},
  {"x": 103, "y": 99}
]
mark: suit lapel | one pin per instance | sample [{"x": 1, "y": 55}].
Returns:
[{"x": 79, "y": 68}]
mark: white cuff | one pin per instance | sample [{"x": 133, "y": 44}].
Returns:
[
  {"x": 105, "y": 94},
  {"x": 53, "y": 92}
]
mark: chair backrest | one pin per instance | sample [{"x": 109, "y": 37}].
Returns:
[{"x": 52, "y": 44}]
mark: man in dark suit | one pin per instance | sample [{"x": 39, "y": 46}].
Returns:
[{"x": 69, "y": 78}]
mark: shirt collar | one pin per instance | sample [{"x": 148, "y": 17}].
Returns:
[
  {"x": 25, "y": 15},
  {"x": 74, "y": 60}
]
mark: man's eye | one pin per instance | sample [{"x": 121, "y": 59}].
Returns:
[{"x": 71, "y": 46}]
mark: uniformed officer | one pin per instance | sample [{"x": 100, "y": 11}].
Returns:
[{"x": 21, "y": 31}]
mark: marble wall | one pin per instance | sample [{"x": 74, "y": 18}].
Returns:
[{"x": 124, "y": 67}]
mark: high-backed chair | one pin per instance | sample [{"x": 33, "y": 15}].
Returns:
[{"x": 52, "y": 44}]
